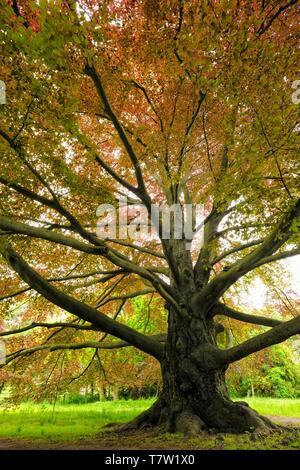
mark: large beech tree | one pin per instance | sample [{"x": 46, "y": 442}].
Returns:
[{"x": 166, "y": 102}]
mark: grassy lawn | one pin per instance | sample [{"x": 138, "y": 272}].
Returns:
[
  {"x": 276, "y": 406},
  {"x": 67, "y": 422}
]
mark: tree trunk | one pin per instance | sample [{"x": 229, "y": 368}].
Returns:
[
  {"x": 115, "y": 392},
  {"x": 102, "y": 396},
  {"x": 195, "y": 395}
]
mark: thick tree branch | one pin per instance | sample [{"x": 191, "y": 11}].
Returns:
[
  {"x": 21, "y": 153},
  {"x": 207, "y": 146},
  {"x": 274, "y": 336},
  {"x": 204, "y": 262},
  {"x": 28, "y": 193},
  {"x": 267, "y": 23},
  {"x": 278, "y": 237},
  {"x": 54, "y": 202},
  {"x": 142, "y": 249},
  {"x": 131, "y": 295},
  {"x": 274, "y": 154},
  {"x": 221, "y": 309},
  {"x": 176, "y": 38},
  {"x": 159, "y": 338},
  {"x": 237, "y": 228},
  {"x": 45, "y": 234},
  {"x": 235, "y": 250},
  {"x": 17, "y": 227},
  {"x": 149, "y": 101},
  {"x": 24, "y": 121},
  {"x": 164, "y": 289},
  {"x": 91, "y": 72},
  {"x": 141, "y": 191},
  {"x": 61, "y": 325},
  {"x": 17, "y": 12},
  {"x": 108, "y": 275},
  {"x": 166, "y": 250},
  {"x": 89, "y": 147},
  {"x": 278, "y": 257},
  {"x": 112, "y": 255},
  {"x": 80, "y": 309},
  {"x": 190, "y": 127}
]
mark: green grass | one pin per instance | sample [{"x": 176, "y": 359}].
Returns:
[
  {"x": 67, "y": 422},
  {"x": 276, "y": 406}
]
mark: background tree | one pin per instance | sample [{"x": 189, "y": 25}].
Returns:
[{"x": 176, "y": 102}]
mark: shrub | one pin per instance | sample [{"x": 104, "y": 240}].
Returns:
[{"x": 278, "y": 376}]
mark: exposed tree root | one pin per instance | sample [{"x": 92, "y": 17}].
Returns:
[
  {"x": 149, "y": 418},
  {"x": 233, "y": 418}
]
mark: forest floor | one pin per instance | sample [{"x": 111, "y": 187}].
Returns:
[
  {"x": 80, "y": 427},
  {"x": 149, "y": 440}
]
